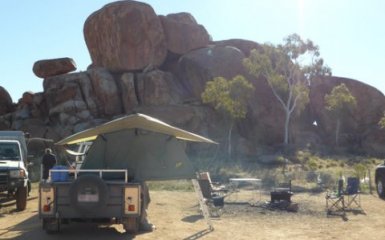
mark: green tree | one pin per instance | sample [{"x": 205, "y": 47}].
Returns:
[
  {"x": 230, "y": 97},
  {"x": 340, "y": 103},
  {"x": 288, "y": 69}
]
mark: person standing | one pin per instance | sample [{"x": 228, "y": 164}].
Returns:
[{"x": 48, "y": 161}]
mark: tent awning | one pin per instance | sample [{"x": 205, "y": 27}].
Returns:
[{"x": 139, "y": 121}]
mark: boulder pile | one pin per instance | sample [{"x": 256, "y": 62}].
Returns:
[{"x": 159, "y": 65}]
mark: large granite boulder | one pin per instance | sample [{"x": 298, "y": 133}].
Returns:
[
  {"x": 361, "y": 126},
  {"x": 106, "y": 92},
  {"x": 5, "y": 121},
  {"x": 199, "y": 66},
  {"x": 52, "y": 67},
  {"x": 244, "y": 45},
  {"x": 125, "y": 36},
  {"x": 183, "y": 34},
  {"x": 157, "y": 88},
  {"x": 5, "y": 101},
  {"x": 27, "y": 98},
  {"x": 128, "y": 93},
  {"x": 65, "y": 100}
]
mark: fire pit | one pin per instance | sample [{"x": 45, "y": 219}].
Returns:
[{"x": 277, "y": 196}]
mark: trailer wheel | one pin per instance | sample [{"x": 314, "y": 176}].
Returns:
[
  {"x": 380, "y": 185},
  {"x": 21, "y": 198},
  {"x": 131, "y": 225}
]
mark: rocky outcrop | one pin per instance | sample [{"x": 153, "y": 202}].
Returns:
[
  {"x": 105, "y": 89},
  {"x": 128, "y": 91},
  {"x": 183, "y": 34},
  {"x": 53, "y": 67},
  {"x": 244, "y": 45},
  {"x": 157, "y": 88},
  {"x": 64, "y": 99},
  {"x": 5, "y": 101},
  {"x": 199, "y": 66},
  {"x": 357, "y": 130},
  {"x": 27, "y": 98},
  {"x": 159, "y": 65},
  {"x": 125, "y": 36}
]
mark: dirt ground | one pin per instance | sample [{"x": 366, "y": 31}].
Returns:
[{"x": 177, "y": 216}]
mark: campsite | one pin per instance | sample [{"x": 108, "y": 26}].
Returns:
[
  {"x": 164, "y": 119},
  {"x": 176, "y": 216}
]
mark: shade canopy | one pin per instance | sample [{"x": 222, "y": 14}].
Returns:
[
  {"x": 139, "y": 121},
  {"x": 147, "y": 148}
]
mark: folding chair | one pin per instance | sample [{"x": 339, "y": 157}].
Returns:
[
  {"x": 353, "y": 194},
  {"x": 335, "y": 202},
  {"x": 213, "y": 198},
  {"x": 215, "y": 186}
]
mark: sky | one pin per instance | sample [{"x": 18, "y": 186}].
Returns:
[{"x": 349, "y": 33}]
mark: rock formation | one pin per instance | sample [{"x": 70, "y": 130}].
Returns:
[
  {"x": 359, "y": 129},
  {"x": 183, "y": 33},
  {"x": 5, "y": 101},
  {"x": 159, "y": 65},
  {"x": 53, "y": 67},
  {"x": 125, "y": 36}
]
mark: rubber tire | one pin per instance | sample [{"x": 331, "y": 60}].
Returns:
[
  {"x": 131, "y": 225},
  {"x": 21, "y": 198},
  {"x": 380, "y": 186},
  {"x": 88, "y": 180}
]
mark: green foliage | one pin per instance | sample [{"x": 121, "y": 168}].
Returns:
[
  {"x": 360, "y": 170},
  {"x": 284, "y": 69},
  {"x": 312, "y": 164},
  {"x": 229, "y": 96},
  {"x": 340, "y": 100}
]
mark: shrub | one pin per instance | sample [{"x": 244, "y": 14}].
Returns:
[
  {"x": 312, "y": 164},
  {"x": 311, "y": 176},
  {"x": 327, "y": 179},
  {"x": 359, "y": 170}
]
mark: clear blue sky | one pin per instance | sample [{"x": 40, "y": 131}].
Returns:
[{"x": 350, "y": 33}]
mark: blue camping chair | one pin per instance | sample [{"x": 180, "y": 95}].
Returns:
[{"x": 352, "y": 194}]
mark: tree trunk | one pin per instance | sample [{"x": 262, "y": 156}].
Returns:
[
  {"x": 287, "y": 121},
  {"x": 229, "y": 139},
  {"x": 338, "y": 125},
  {"x": 370, "y": 181}
]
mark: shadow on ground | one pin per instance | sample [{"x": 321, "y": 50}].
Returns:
[{"x": 32, "y": 229}]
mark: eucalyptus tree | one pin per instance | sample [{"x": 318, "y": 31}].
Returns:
[
  {"x": 288, "y": 69},
  {"x": 339, "y": 103},
  {"x": 229, "y": 97}
]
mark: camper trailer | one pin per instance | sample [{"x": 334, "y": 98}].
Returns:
[{"x": 124, "y": 154}]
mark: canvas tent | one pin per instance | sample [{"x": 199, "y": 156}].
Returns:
[{"x": 147, "y": 147}]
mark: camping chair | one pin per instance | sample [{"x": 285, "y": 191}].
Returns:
[
  {"x": 353, "y": 194},
  {"x": 215, "y": 186},
  {"x": 335, "y": 202},
  {"x": 214, "y": 197}
]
